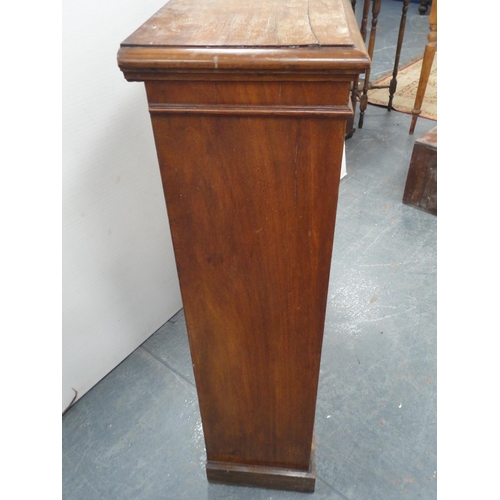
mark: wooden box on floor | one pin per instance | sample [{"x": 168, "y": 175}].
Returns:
[
  {"x": 248, "y": 102},
  {"x": 421, "y": 182}
]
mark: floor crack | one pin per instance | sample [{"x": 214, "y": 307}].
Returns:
[{"x": 167, "y": 365}]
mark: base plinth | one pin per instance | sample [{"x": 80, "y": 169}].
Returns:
[{"x": 261, "y": 476}]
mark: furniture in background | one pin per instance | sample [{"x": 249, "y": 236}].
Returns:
[
  {"x": 421, "y": 182},
  {"x": 249, "y": 122},
  {"x": 429, "y": 54},
  {"x": 362, "y": 96},
  {"x": 424, "y": 6}
]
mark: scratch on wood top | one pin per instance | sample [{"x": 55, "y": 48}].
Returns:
[{"x": 309, "y": 19}]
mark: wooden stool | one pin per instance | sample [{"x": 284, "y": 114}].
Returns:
[{"x": 421, "y": 183}]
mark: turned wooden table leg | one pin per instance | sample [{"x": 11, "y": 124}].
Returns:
[
  {"x": 364, "y": 19},
  {"x": 394, "y": 82},
  {"x": 429, "y": 54},
  {"x": 371, "y": 46},
  {"x": 424, "y": 5},
  {"x": 350, "y": 129}
]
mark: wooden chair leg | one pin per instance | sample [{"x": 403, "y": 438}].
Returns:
[
  {"x": 429, "y": 54},
  {"x": 371, "y": 46}
]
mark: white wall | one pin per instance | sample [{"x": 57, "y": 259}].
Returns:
[
  {"x": 119, "y": 277},
  {"x": 343, "y": 168}
]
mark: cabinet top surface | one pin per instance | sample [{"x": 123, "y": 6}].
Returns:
[
  {"x": 233, "y": 23},
  {"x": 234, "y": 36}
]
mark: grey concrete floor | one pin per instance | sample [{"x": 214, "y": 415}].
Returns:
[{"x": 137, "y": 434}]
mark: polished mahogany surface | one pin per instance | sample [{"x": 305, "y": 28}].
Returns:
[{"x": 248, "y": 105}]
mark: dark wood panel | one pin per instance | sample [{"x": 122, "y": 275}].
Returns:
[
  {"x": 421, "y": 182},
  {"x": 251, "y": 203}
]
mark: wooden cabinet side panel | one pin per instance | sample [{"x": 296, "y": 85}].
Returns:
[{"x": 252, "y": 203}]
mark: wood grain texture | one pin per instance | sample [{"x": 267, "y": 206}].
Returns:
[
  {"x": 251, "y": 204},
  {"x": 144, "y": 63},
  {"x": 248, "y": 108},
  {"x": 282, "y": 94},
  {"x": 261, "y": 36},
  {"x": 261, "y": 23}
]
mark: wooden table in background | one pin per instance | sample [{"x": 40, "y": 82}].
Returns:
[
  {"x": 248, "y": 102},
  {"x": 361, "y": 96}
]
